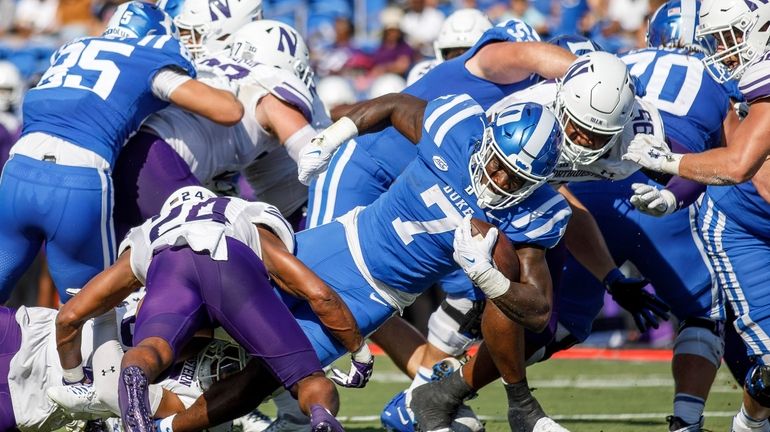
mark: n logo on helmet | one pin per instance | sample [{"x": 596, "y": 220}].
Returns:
[
  {"x": 288, "y": 37},
  {"x": 219, "y": 9},
  {"x": 577, "y": 69},
  {"x": 755, "y": 4}
]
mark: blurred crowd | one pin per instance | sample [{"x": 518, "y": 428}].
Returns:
[{"x": 372, "y": 44}]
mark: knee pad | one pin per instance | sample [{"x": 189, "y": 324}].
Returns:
[
  {"x": 701, "y": 337},
  {"x": 758, "y": 383},
  {"x": 455, "y": 325}
]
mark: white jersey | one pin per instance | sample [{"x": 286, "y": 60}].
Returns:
[
  {"x": 36, "y": 367},
  {"x": 644, "y": 120},
  {"x": 273, "y": 177},
  {"x": 204, "y": 226}
]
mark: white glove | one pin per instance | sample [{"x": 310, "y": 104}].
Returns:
[
  {"x": 314, "y": 158},
  {"x": 653, "y": 201},
  {"x": 474, "y": 256},
  {"x": 653, "y": 153}
]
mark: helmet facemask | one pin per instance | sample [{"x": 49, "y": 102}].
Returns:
[
  {"x": 193, "y": 36},
  {"x": 488, "y": 193},
  {"x": 578, "y": 154},
  {"x": 220, "y": 360}
]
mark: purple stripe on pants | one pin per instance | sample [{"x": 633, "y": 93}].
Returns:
[
  {"x": 10, "y": 342},
  {"x": 147, "y": 171},
  {"x": 188, "y": 290}
]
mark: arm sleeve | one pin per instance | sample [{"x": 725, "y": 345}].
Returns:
[
  {"x": 295, "y": 143},
  {"x": 166, "y": 81}
]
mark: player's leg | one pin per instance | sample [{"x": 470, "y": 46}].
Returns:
[
  {"x": 10, "y": 343},
  {"x": 20, "y": 239},
  {"x": 171, "y": 312},
  {"x": 146, "y": 172},
  {"x": 353, "y": 179},
  {"x": 739, "y": 259},
  {"x": 80, "y": 240},
  {"x": 257, "y": 319}
]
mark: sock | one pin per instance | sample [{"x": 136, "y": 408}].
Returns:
[
  {"x": 748, "y": 421},
  {"x": 687, "y": 407},
  {"x": 166, "y": 425},
  {"x": 523, "y": 409},
  {"x": 423, "y": 376}
]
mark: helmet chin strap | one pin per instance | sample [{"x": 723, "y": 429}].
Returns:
[{"x": 487, "y": 197}]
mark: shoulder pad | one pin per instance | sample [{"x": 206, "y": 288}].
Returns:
[
  {"x": 285, "y": 86},
  {"x": 755, "y": 82},
  {"x": 266, "y": 214}
]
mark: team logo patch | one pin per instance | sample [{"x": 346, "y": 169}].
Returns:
[{"x": 440, "y": 163}]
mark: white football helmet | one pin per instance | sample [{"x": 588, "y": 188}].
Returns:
[
  {"x": 187, "y": 194},
  {"x": 597, "y": 95},
  {"x": 273, "y": 43},
  {"x": 387, "y": 83},
  {"x": 207, "y": 26},
  {"x": 335, "y": 90},
  {"x": 742, "y": 31},
  {"x": 462, "y": 29},
  {"x": 11, "y": 86},
  {"x": 217, "y": 361}
]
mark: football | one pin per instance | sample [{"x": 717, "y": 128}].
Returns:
[{"x": 504, "y": 254}]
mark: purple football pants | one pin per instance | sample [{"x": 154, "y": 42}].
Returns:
[
  {"x": 147, "y": 172},
  {"x": 187, "y": 291},
  {"x": 10, "y": 342}
]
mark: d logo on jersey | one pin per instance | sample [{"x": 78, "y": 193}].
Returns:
[{"x": 219, "y": 9}]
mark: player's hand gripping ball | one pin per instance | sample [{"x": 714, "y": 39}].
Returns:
[{"x": 503, "y": 254}]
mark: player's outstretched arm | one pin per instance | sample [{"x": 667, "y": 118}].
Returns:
[
  {"x": 402, "y": 111},
  {"x": 746, "y": 151},
  {"x": 102, "y": 293},
  {"x": 511, "y": 62},
  {"x": 292, "y": 276},
  {"x": 286, "y": 122},
  {"x": 219, "y": 106}
]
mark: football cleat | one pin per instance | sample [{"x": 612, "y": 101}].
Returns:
[
  {"x": 321, "y": 420},
  {"x": 255, "y": 421},
  {"x": 740, "y": 426},
  {"x": 676, "y": 424},
  {"x": 79, "y": 400},
  {"x": 397, "y": 416},
  {"x": 136, "y": 416},
  {"x": 547, "y": 424}
]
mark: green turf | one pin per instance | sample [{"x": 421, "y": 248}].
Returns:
[{"x": 565, "y": 388}]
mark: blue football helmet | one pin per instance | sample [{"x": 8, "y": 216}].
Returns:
[
  {"x": 526, "y": 139},
  {"x": 576, "y": 44},
  {"x": 137, "y": 19},
  {"x": 674, "y": 24}
]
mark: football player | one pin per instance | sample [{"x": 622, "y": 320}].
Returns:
[
  {"x": 380, "y": 258},
  {"x": 11, "y": 90},
  {"x": 733, "y": 214},
  {"x": 93, "y": 97},
  {"x": 194, "y": 258}
]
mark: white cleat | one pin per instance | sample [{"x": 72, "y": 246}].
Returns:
[
  {"x": 80, "y": 401},
  {"x": 255, "y": 421},
  {"x": 547, "y": 424}
]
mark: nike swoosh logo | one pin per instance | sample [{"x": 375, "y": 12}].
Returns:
[
  {"x": 314, "y": 152},
  {"x": 401, "y": 418},
  {"x": 374, "y": 297},
  {"x": 472, "y": 261}
]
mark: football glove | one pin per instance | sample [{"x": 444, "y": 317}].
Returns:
[
  {"x": 629, "y": 293},
  {"x": 474, "y": 256},
  {"x": 652, "y": 153},
  {"x": 315, "y": 157},
  {"x": 361, "y": 367},
  {"x": 653, "y": 201}
]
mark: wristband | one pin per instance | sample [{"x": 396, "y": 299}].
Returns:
[
  {"x": 363, "y": 354},
  {"x": 73, "y": 376},
  {"x": 338, "y": 133},
  {"x": 492, "y": 283},
  {"x": 670, "y": 164},
  {"x": 613, "y": 276}
]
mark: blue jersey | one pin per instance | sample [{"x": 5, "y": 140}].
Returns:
[
  {"x": 392, "y": 151},
  {"x": 406, "y": 235},
  {"x": 99, "y": 90},
  {"x": 691, "y": 103}
]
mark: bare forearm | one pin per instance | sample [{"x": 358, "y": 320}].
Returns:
[
  {"x": 525, "y": 304},
  {"x": 720, "y": 166},
  {"x": 400, "y": 110},
  {"x": 335, "y": 316},
  {"x": 511, "y": 62}
]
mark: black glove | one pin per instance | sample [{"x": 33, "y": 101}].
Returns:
[{"x": 629, "y": 293}]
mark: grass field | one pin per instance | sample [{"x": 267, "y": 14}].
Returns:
[{"x": 584, "y": 395}]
